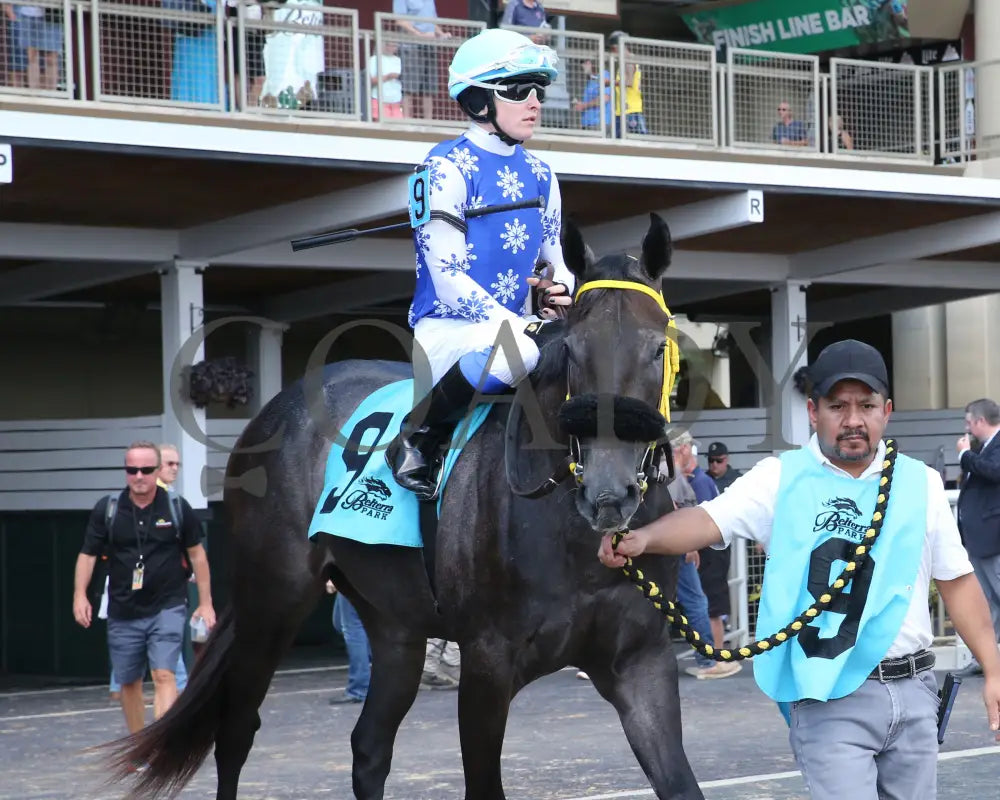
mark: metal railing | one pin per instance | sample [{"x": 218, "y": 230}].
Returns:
[
  {"x": 297, "y": 57},
  {"x": 669, "y": 91},
  {"x": 968, "y": 121},
  {"x": 38, "y": 43},
  {"x": 300, "y": 58},
  {"x": 880, "y": 109},
  {"x": 424, "y": 48}
]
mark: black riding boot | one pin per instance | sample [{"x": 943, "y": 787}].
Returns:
[{"x": 415, "y": 455}]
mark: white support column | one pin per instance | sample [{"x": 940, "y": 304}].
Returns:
[
  {"x": 919, "y": 359},
  {"x": 265, "y": 359},
  {"x": 182, "y": 303},
  {"x": 788, "y": 353},
  {"x": 973, "y": 364}
]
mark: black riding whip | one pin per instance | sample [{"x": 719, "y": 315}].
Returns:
[{"x": 349, "y": 234}]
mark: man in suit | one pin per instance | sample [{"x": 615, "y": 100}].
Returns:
[{"x": 979, "y": 503}]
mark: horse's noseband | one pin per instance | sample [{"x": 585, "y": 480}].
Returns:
[{"x": 632, "y": 419}]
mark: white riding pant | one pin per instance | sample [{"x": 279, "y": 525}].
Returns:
[{"x": 445, "y": 341}]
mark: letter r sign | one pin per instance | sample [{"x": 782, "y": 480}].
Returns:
[{"x": 755, "y": 206}]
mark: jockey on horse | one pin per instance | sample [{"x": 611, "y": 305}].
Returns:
[{"x": 474, "y": 274}]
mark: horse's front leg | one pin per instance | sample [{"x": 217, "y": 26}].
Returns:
[
  {"x": 643, "y": 689},
  {"x": 484, "y": 693}
]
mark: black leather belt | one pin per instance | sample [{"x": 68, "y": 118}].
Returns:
[{"x": 892, "y": 669}]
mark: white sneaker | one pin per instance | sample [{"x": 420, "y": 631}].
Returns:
[{"x": 722, "y": 669}]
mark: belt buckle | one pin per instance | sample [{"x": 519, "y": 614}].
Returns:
[
  {"x": 912, "y": 659},
  {"x": 881, "y": 675}
]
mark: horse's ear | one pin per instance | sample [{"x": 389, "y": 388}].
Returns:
[
  {"x": 657, "y": 248},
  {"x": 576, "y": 254}
]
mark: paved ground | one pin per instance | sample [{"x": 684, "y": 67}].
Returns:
[{"x": 563, "y": 743}]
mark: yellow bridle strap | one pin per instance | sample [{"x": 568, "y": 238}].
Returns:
[{"x": 672, "y": 356}]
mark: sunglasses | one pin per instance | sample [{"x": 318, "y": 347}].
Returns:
[
  {"x": 143, "y": 470},
  {"x": 716, "y": 460},
  {"x": 518, "y": 92}
]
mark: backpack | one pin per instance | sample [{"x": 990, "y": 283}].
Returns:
[{"x": 176, "y": 517}]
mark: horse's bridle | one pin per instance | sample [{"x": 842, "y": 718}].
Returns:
[{"x": 572, "y": 464}]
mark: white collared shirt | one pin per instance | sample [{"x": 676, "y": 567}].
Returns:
[{"x": 746, "y": 510}]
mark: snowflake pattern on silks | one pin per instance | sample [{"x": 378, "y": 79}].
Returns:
[
  {"x": 436, "y": 176},
  {"x": 500, "y": 248},
  {"x": 551, "y": 228},
  {"x": 442, "y": 310},
  {"x": 538, "y": 169},
  {"x": 515, "y": 236},
  {"x": 464, "y": 160},
  {"x": 455, "y": 264},
  {"x": 506, "y": 286},
  {"x": 474, "y": 307},
  {"x": 509, "y": 184}
]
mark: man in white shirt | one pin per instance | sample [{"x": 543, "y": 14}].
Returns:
[{"x": 858, "y": 676}]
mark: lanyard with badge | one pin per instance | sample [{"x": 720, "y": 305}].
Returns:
[{"x": 140, "y": 567}]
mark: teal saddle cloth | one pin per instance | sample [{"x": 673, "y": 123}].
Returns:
[{"x": 360, "y": 499}]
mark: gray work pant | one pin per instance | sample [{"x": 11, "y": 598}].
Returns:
[
  {"x": 988, "y": 572},
  {"x": 878, "y": 743}
]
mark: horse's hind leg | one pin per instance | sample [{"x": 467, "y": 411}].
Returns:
[
  {"x": 643, "y": 690},
  {"x": 269, "y": 614},
  {"x": 397, "y": 661}
]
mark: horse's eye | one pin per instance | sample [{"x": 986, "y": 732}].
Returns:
[{"x": 660, "y": 351}]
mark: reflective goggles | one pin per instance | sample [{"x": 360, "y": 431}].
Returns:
[
  {"x": 527, "y": 57},
  {"x": 520, "y": 91}
]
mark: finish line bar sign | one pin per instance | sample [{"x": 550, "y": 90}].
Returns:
[
  {"x": 6, "y": 164},
  {"x": 801, "y": 26}
]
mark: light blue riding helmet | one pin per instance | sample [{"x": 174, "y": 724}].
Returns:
[{"x": 495, "y": 54}]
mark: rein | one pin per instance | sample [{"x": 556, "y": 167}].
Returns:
[
  {"x": 674, "y": 614},
  {"x": 572, "y": 463}
]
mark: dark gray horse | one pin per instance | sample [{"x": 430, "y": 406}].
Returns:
[{"x": 517, "y": 582}]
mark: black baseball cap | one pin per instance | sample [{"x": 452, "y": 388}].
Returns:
[
  {"x": 849, "y": 360},
  {"x": 717, "y": 449}
]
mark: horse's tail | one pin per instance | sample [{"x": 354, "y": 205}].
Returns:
[{"x": 174, "y": 747}]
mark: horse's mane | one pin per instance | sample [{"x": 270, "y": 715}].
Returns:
[{"x": 551, "y": 365}]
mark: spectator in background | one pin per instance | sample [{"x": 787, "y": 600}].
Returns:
[
  {"x": 39, "y": 32},
  {"x": 635, "y": 121},
  {"x": 979, "y": 502},
  {"x": 420, "y": 62},
  {"x": 254, "y": 41},
  {"x": 17, "y": 58},
  {"x": 148, "y": 593},
  {"x": 691, "y": 593},
  {"x": 713, "y": 565},
  {"x": 840, "y": 138},
  {"x": 359, "y": 652},
  {"x": 526, "y": 14},
  {"x": 595, "y": 93},
  {"x": 718, "y": 466},
  {"x": 387, "y": 90},
  {"x": 787, "y": 130}
]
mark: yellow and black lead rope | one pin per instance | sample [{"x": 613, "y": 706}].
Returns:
[{"x": 673, "y": 613}]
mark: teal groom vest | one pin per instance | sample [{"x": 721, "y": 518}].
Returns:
[{"x": 819, "y": 518}]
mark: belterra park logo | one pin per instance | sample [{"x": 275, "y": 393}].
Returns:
[
  {"x": 842, "y": 517},
  {"x": 372, "y": 500}
]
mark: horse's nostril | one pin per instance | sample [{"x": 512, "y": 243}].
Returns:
[{"x": 607, "y": 498}]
